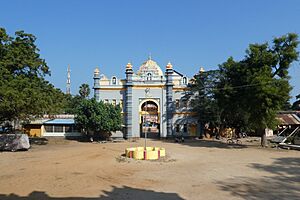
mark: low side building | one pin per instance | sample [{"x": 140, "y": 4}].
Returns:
[{"x": 58, "y": 125}]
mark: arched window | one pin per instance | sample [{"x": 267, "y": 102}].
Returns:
[
  {"x": 184, "y": 80},
  {"x": 114, "y": 80},
  {"x": 185, "y": 129},
  {"x": 177, "y": 128},
  {"x": 149, "y": 77}
]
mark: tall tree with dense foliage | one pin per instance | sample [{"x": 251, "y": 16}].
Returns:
[
  {"x": 254, "y": 89},
  {"x": 98, "y": 119},
  {"x": 203, "y": 98},
  {"x": 74, "y": 101},
  {"x": 24, "y": 92}
]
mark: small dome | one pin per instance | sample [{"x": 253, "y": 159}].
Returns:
[
  {"x": 150, "y": 66},
  {"x": 96, "y": 71},
  {"x": 169, "y": 66},
  {"x": 129, "y": 66},
  {"x": 202, "y": 70}
]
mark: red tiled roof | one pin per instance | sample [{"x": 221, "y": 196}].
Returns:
[{"x": 288, "y": 119}]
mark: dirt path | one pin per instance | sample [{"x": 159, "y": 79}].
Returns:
[{"x": 192, "y": 170}]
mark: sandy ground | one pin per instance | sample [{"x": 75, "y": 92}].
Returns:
[{"x": 65, "y": 169}]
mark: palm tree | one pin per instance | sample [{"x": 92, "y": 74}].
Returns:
[{"x": 84, "y": 90}]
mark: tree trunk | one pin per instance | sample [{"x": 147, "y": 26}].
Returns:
[{"x": 263, "y": 139}]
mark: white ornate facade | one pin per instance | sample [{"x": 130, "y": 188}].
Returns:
[{"x": 151, "y": 101}]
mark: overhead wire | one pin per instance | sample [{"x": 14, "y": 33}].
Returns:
[{"x": 239, "y": 86}]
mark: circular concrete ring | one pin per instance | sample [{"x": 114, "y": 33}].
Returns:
[{"x": 148, "y": 153}]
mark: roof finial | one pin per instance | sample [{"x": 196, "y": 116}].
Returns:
[
  {"x": 202, "y": 70},
  {"x": 169, "y": 65},
  {"x": 96, "y": 71},
  {"x": 149, "y": 57},
  {"x": 129, "y": 66}
]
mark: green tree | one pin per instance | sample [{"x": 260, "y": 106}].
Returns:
[
  {"x": 84, "y": 90},
  {"x": 24, "y": 93},
  {"x": 98, "y": 119},
  {"x": 231, "y": 95},
  {"x": 203, "y": 98},
  {"x": 72, "y": 103},
  {"x": 296, "y": 104},
  {"x": 257, "y": 87}
]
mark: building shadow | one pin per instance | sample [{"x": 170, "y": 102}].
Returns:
[
  {"x": 282, "y": 183},
  {"x": 38, "y": 141},
  {"x": 83, "y": 138},
  {"x": 117, "y": 193}
]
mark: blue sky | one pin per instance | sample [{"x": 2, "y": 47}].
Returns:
[{"x": 109, "y": 33}]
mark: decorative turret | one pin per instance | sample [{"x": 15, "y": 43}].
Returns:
[
  {"x": 128, "y": 66},
  {"x": 129, "y": 73},
  {"x": 128, "y": 105},
  {"x": 201, "y": 70},
  {"x": 169, "y": 73},
  {"x": 97, "y": 83},
  {"x": 169, "y": 66},
  {"x": 96, "y": 71},
  {"x": 169, "y": 96}
]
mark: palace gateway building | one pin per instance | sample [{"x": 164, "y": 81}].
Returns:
[{"x": 153, "y": 102}]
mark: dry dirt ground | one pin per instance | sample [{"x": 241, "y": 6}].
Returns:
[{"x": 195, "y": 169}]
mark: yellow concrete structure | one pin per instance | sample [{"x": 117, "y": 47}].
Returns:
[
  {"x": 33, "y": 130},
  {"x": 142, "y": 153}
]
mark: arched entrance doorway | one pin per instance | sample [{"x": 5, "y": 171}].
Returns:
[{"x": 149, "y": 119}]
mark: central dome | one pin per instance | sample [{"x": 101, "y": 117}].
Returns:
[{"x": 150, "y": 66}]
